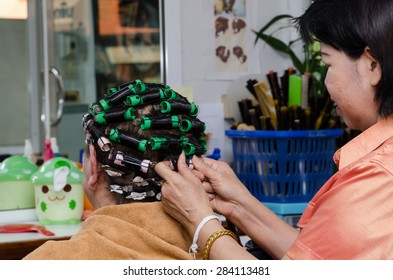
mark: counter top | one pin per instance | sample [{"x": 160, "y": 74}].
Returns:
[
  {"x": 14, "y": 246},
  {"x": 60, "y": 231}
]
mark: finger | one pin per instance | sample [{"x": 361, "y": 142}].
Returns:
[
  {"x": 207, "y": 187},
  {"x": 209, "y": 161},
  {"x": 163, "y": 169},
  {"x": 204, "y": 168},
  {"x": 177, "y": 178},
  {"x": 167, "y": 163},
  {"x": 181, "y": 161},
  {"x": 198, "y": 174},
  {"x": 183, "y": 168},
  {"x": 211, "y": 196}
]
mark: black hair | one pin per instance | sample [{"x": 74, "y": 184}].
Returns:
[
  {"x": 135, "y": 126},
  {"x": 350, "y": 26}
]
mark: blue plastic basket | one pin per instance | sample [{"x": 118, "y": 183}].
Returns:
[{"x": 284, "y": 169}]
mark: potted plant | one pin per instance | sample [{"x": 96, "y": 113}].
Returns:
[{"x": 311, "y": 63}]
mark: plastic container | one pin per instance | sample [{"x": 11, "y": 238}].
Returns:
[
  {"x": 59, "y": 192},
  {"x": 16, "y": 189},
  {"x": 284, "y": 169}
]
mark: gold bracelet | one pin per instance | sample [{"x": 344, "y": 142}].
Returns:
[{"x": 213, "y": 238}]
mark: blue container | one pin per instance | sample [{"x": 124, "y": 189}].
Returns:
[{"x": 284, "y": 168}]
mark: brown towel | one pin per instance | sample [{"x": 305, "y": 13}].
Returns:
[{"x": 139, "y": 231}]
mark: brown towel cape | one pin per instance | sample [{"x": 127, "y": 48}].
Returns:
[{"x": 139, "y": 231}]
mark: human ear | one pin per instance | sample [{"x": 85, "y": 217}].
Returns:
[
  {"x": 93, "y": 164},
  {"x": 373, "y": 66}
]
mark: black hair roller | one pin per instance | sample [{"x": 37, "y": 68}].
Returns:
[
  {"x": 174, "y": 145},
  {"x": 115, "y": 98},
  {"x": 161, "y": 143},
  {"x": 134, "y": 100},
  {"x": 141, "y": 87},
  {"x": 94, "y": 129},
  {"x": 160, "y": 123},
  {"x": 119, "y": 93},
  {"x": 95, "y": 108},
  {"x": 194, "y": 125},
  {"x": 194, "y": 149},
  {"x": 155, "y": 86},
  {"x": 150, "y": 97},
  {"x": 116, "y": 116},
  {"x": 120, "y": 136},
  {"x": 117, "y": 88},
  {"x": 179, "y": 108}
]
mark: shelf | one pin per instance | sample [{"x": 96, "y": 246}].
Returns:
[{"x": 134, "y": 54}]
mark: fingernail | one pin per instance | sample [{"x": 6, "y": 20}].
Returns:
[{"x": 171, "y": 165}]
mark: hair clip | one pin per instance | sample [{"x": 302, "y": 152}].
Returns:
[
  {"x": 116, "y": 189},
  {"x": 111, "y": 171},
  {"x": 104, "y": 144},
  {"x": 140, "y": 195},
  {"x": 124, "y": 160}
]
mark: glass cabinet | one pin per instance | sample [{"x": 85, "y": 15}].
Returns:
[
  {"x": 127, "y": 41},
  {"x": 61, "y": 55}
]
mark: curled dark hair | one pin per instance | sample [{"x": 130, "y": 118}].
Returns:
[{"x": 137, "y": 125}]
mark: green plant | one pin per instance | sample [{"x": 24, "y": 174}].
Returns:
[{"x": 311, "y": 63}]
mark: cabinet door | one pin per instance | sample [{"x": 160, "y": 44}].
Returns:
[
  {"x": 128, "y": 41},
  {"x": 19, "y": 95},
  {"x": 98, "y": 44},
  {"x": 62, "y": 55}
]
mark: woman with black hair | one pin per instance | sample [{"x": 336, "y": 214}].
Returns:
[{"x": 351, "y": 217}]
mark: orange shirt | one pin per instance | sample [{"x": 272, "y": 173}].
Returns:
[{"x": 351, "y": 217}]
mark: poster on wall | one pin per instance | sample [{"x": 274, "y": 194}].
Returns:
[
  {"x": 230, "y": 35},
  {"x": 227, "y": 54}
]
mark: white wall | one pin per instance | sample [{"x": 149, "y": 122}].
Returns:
[{"x": 186, "y": 38}]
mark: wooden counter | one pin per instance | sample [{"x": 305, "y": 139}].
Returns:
[{"x": 16, "y": 250}]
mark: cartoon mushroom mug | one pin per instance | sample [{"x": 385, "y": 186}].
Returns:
[
  {"x": 16, "y": 188},
  {"x": 58, "y": 192}
]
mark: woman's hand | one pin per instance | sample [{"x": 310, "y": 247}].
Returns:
[
  {"x": 183, "y": 195},
  {"x": 225, "y": 190}
]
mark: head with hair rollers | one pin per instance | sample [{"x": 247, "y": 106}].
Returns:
[{"x": 135, "y": 126}]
